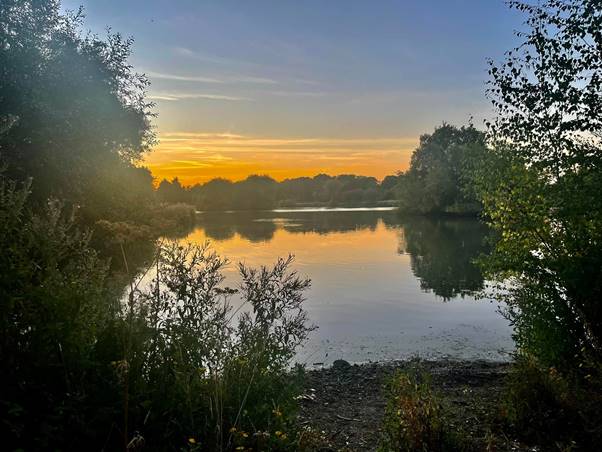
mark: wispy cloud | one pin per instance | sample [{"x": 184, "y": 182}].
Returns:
[
  {"x": 299, "y": 93},
  {"x": 249, "y": 79},
  {"x": 183, "y": 78},
  {"x": 189, "y": 53},
  {"x": 235, "y": 65},
  {"x": 253, "y": 143},
  {"x": 171, "y": 97},
  {"x": 232, "y": 79}
]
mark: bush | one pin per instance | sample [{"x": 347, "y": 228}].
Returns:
[
  {"x": 168, "y": 218},
  {"x": 192, "y": 372},
  {"x": 544, "y": 407},
  {"x": 415, "y": 419},
  {"x": 54, "y": 306}
]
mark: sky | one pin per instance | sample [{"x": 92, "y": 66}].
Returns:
[{"x": 291, "y": 88}]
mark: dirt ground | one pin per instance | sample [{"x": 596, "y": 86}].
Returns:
[{"x": 347, "y": 402}]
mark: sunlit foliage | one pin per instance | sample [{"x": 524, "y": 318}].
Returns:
[
  {"x": 541, "y": 185},
  {"x": 73, "y": 114},
  {"x": 440, "y": 169}
]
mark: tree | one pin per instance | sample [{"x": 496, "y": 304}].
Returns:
[
  {"x": 71, "y": 106},
  {"x": 216, "y": 195},
  {"x": 541, "y": 186},
  {"x": 439, "y": 170},
  {"x": 255, "y": 193},
  {"x": 172, "y": 192}
]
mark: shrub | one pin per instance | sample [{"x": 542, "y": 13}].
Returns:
[
  {"x": 545, "y": 407},
  {"x": 192, "y": 371},
  {"x": 54, "y": 306},
  {"x": 415, "y": 419},
  {"x": 168, "y": 218}
]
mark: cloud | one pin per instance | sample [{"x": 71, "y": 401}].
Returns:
[
  {"x": 299, "y": 93},
  {"x": 235, "y": 79},
  {"x": 252, "y": 143},
  {"x": 183, "y": 78},
  {"x": 249, "y": 79},
  {"x": 188, "y": 53},
  {"x": 170, "y": 97}
]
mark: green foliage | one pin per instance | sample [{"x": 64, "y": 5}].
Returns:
[
  {"x": 189, "y": 362},
  {"x": 73, "y": 114},
  {"x": 82, "y": 365},
  {"x": 441, "y": 167},
  {"x": 415, "y": 419},
  {"x": 544, "y": 407},
  {"x": 540, "y": 185},
  {"x": 54, "y": 306},
  {"x": 264, "y": 193}
]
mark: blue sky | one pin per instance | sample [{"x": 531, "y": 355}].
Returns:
[{"x": 330, "y": 74}]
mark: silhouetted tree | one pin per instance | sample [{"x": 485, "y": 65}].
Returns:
[
  {"x": 72, "y": 111},
  {"x": 173, "y": 192}
]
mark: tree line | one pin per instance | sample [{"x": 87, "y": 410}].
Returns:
[{"x": 262, "y": 192}]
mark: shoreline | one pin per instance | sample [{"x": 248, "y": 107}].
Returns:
[{"x": 346, "y": 402}]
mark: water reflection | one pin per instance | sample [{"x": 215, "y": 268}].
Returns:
[
  {"x": 442, "y": 251},
  {"x": 377, "y": 280}
]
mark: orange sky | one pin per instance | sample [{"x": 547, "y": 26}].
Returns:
[{"x": 199, "y": 157}]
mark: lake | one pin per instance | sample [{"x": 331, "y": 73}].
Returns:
[{"x": 383, "y": 287}]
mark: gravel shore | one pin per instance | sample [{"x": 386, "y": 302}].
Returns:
[{"x": 347, "y": 402}]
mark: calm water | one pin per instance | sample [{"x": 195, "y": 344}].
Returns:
[{"x": 382, "y": 288}]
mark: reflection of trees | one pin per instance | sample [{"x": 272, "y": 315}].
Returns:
[
  {"x": 261, "y": 226},
  {"x": 442, "y": 250},
  {"x": 328, "y": 222},
  {"x": 249, "y": 225},
  {"x": 442, "y": 253}
]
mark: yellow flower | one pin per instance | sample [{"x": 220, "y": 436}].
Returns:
[
  {"x": 283, "y": 436},
  {"x": 192, "y": 440},
  {"x": 245, "y": 434},
  {"x": 240, "y": 448},
  {"x": 278, "y": 433},
  {"x": 277, "y": 412},
  {"x": 233, "y": 429}
]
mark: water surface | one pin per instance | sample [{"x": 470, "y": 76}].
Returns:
[{"x": 382, "y": 287}]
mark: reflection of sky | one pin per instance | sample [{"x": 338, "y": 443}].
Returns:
[
  {"x": 365, "y": 299},
  {"x": 298, "y": 88}
]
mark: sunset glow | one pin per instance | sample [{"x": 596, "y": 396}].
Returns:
[
  {"x": 294, "y": 89},
  {"x": 198, "y": 157}
]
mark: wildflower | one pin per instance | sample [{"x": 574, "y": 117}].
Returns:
[
  {"x": 277, "y": 412},
  {"x": 240, "y": 448},
  {"x": 233, "y": 429},
  {"x": 278, "y": 433},
  {"x": 244, "y": 434},
  {"x": 191, "y": 440}
]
